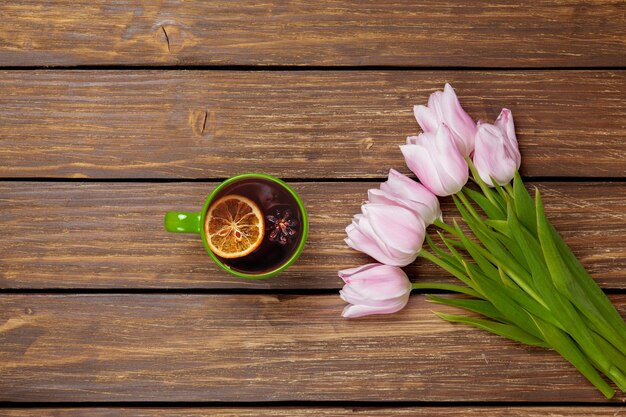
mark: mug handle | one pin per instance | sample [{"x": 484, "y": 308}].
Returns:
[{"x": 182, "y": 222}]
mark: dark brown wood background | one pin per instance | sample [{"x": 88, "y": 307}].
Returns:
[{"x": 113, "y": 112}]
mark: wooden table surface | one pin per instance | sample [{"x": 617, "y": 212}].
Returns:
[{"x": 113, "y": 112}]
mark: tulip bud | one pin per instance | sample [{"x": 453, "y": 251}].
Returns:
[
  {"x": 402, "y": 191},
  {"x": 444, "y": 107},
  {"x": 390, "y": 234},
  {"x": 436, "y": 161},
  {"x": 496, "y": 154},
  {"x": 374, "y": 289}
]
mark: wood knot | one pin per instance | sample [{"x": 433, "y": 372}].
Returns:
[
  {"x": 366, "y": 144},
  {"x": 203, "y": 123},
  {"x": 169, "y": 35}
]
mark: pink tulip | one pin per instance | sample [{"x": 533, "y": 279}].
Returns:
[
  {"x": 400, "y": 190},
  {"x": 436, "y": 161},
  {"x": 390, "y": 234},
  {"x": 374, "y": 289},
  {"x": 444, "y": 107},
  {"x": 497, "y": 154}
]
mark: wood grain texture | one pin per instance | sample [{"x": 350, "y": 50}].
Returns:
[
  {"x": 347, "y": 32},
  {"x": 110, "y": 235},
  {"x": 263, "y": 348},
  {"x": 304, "y": 124},
  {"x": 451, "y": 411}
]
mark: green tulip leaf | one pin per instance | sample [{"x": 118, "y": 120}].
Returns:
[{"x": 505, "y": 330}]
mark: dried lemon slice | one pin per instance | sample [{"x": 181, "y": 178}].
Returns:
[{"x": 234, "y": 226}]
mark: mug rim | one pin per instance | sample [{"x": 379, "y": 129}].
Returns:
[{"x": 303, "y": 235}]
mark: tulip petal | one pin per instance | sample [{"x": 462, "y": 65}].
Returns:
[
  {"x": 426, "y": 118},
  {"x": 459, "y": 122},
  {"x": 354, "y": 311},
  {"x": 495, "y": 155},
  {"x": 380, "y": 282},
  {"x": 374, "y": 289},
  {"x": 437, "y": 162},
  {"x": 398, "y": 227},
  {"x": 367, "y": 229},
  {"x": 435, "y": 104},
  {"x": 411, "y": 140},
  {"x": 345, "y": 274},
  {"x": 454, "y": 171},
  {"x": 505, "y": 123},
  {"x": 350, "y": 296},
  {"x": 404, "y": 187},
  {"x": 381, "y": 272},
  {"x": 383, "y": 197},
  {"x": 419, "y": 161},
  {"x": 362, "y": 243}
]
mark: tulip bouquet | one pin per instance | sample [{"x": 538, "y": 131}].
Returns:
[{"x": 514, "y": 269}]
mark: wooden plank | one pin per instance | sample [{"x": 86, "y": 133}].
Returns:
[
  {"x": 243, "y": 348},
  {"x": 110, "y": 235},
  {"x": 451, "y": 411},
  {"x": 347, "y": 32},
  {"x": 199, "y": 124}
]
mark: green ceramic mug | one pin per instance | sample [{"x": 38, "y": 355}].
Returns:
[{"x": 186, "y": 222}]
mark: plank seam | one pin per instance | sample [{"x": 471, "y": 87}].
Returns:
[
  {"x": 320, "y": 404},
  {"x": 546, "y": 179},
  {"x": 212, "y": 291},
  {"x": 299, "y": 68}
]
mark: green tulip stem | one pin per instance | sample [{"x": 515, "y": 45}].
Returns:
[
  {"x": 483, "y": 186},
  {"x": 440, "y": 224},
  {"x": 524, "y": 281}
]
